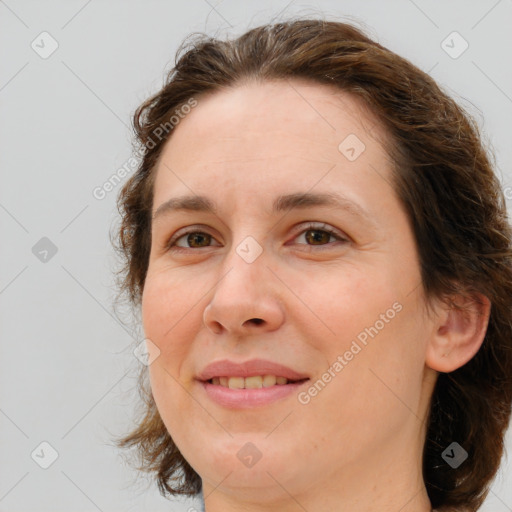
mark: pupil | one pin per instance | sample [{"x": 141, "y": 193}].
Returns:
[
  {"x": 318, "y": 237},
  {"x": 194, "y": 237}
]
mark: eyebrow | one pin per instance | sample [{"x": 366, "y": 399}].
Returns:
[{"x": 283, "y": 203}]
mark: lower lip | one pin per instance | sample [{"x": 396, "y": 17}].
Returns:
[{"x": 244, "y": 398}]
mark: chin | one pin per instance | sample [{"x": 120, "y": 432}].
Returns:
[{"x": 251, "y": 465}]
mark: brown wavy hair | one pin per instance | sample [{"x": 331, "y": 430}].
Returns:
[{"x": 442, "y": 174}]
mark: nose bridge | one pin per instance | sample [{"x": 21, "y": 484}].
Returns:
[
  {"x": 247, "y": 254},
  {"x": 244, "y": 268}
]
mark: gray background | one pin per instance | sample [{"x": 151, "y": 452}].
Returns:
[{"x": 67, "y": 371}]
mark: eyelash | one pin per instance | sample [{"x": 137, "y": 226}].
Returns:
[{"x": 170, "y": 245}]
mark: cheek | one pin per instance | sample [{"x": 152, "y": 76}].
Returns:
[
  {"x": 373, "y": 383},
  {"x": 166, "y": 317},
  {"x": 167, "y": 301},
  {"x": 349, "y": 303},
  {"x": 375, "y": 328},
  {"x": 156, "y": 300},
  {"x": 169, "y": 318}
]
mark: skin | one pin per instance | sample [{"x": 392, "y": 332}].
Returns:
[{"x": 357, "y": 444}]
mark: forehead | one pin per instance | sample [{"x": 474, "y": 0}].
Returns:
[
  {"x": 298, "y": 110},
  {"x": 270, "y": 133}
]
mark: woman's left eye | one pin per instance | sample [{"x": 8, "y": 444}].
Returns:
[
  {"x": 320, "y": 235},
  {"x": 312, "y": 234}
]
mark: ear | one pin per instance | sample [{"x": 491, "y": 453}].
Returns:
[{"x": 459, "y": 330}]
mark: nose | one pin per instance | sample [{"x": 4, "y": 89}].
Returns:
[{"x": 245, "y": 300}]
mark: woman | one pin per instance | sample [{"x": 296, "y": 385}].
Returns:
[{"x": 321, "y": 254}]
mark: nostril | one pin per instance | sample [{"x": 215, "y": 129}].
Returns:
[{"x": 257, "y": 320}]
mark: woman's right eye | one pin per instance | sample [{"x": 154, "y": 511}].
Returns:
[{"x": 191, "y": 240}]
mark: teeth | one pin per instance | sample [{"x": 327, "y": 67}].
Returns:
[
  {"x": 255, "y": 382},
  {"x": 236, "y": 383},
  {"x": 269, "y": 380}
]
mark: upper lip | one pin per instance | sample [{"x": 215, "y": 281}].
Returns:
[{"x": 227, "y": 368}]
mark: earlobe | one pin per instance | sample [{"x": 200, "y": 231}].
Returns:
[{"x": 458, "y": 332}]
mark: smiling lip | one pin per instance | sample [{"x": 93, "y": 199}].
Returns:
[
  {"x": 226, "y": 368},
  {"x": 246, "y": 398}
]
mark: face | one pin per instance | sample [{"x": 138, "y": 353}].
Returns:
[{"x": 328, "y": 287}]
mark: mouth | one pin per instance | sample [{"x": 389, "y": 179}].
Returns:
[
  {"x": 253, "y": 382},
  {"x": 250, "y": 392}
]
